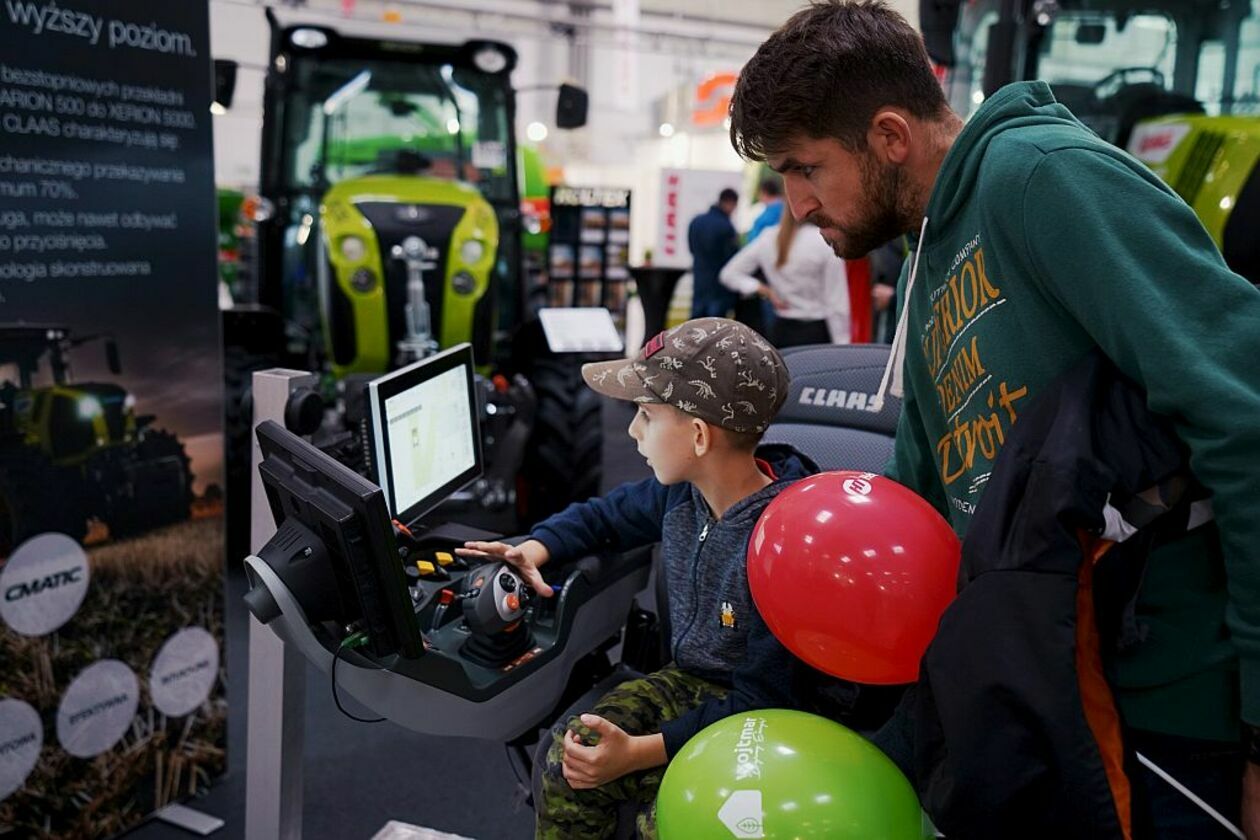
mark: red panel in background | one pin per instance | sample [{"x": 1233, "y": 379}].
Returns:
[{"x": 859, "y": 274}]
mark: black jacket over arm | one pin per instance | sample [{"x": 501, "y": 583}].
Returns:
[{"x": 1015, "y": 732}]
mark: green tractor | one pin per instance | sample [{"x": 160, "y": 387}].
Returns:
[
  {"x": 70, "y": 451},
  {"x": 1175, "y": 82},
  {"x": 389, "y": 226}
]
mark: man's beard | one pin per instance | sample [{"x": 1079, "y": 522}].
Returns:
[{"x": 881, "y": 186}]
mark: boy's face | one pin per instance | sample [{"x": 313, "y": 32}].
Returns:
[{"x": 666, "y": 437}]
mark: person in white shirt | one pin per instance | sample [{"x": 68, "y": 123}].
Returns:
[{"x": 806, "y": 283}]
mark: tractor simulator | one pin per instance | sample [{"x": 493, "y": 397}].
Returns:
[
  {"x": 71, "y": 451},
  {"x": 389, "y": 227},
  {"x": 1184, "y": 100}
]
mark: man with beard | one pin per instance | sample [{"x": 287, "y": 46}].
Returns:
[{"x": 1035, "y": 244}]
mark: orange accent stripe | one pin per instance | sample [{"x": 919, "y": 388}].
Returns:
[{"x": 1098, "y": 703}]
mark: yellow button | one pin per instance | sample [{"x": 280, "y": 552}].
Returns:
[
  {"x": 443, "y": 558},
  {"x": 425, "y": 567}
]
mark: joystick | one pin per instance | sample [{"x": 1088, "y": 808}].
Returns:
[{"x": 494, "y": 601}]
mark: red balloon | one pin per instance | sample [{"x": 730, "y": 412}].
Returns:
[{"x": 851, "y": 572}]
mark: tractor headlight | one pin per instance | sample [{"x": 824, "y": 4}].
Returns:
[
  {"x": 129, "y": 402},
  {"x": 353, "y": 248},
  {"x": 472, "y": 251},
  {"x": 89, "y": 408},
  {"x": 363, "y": 280},
  {"x": 464, "y": 283},
  {"x": 308, "y": 38},
  {"x": 490, "y": 59}
]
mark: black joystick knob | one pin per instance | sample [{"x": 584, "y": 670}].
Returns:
[
  {"x": 507, "y": 582},
  {"x": 304, "y": 412}
]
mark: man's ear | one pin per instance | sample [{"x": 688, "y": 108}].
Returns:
[
  {"x": 702, "y": 436},
  {"x": 890, "y": 136}
]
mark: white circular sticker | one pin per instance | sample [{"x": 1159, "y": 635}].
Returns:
[
  {"x": 43, "y": 584},
  {"x": 97, "y": 708},
  {"x": 184, "y": 671},
  {"x": 21, "y": 737},
  {"x": 857, "y": 487}
]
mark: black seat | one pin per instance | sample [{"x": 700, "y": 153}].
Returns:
[{"x": 828, "y": 414}]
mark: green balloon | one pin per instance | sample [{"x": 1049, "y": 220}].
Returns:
[{"x": 780, "y": 774}]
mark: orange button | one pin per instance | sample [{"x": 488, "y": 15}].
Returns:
[{"x": 513, "y": 603}]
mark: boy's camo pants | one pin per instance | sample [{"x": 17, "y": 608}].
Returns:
[{"x": 639, "y": 707}]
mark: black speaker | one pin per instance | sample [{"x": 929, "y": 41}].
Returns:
[
  {"x": 224, "y": 81},
  {"x": 571, "y": 107}
]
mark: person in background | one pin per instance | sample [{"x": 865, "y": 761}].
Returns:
[
  {"x": 770, "y": 195},
  {"x": 755, "y": 310},
  {"x": 886, "y": 263},
  {"x": 805, "y": 283},
  {"x": 713, "y": 241}
]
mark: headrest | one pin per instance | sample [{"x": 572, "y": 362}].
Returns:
[{"x": 835, "y": 385}]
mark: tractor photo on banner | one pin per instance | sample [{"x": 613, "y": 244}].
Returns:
[{"x": 112, "y": 698}]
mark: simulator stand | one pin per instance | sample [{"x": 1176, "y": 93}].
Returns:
[
  {"x": 344, "y": 573},
  {"x": 275, "y": 737}
]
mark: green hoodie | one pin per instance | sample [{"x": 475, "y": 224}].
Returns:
[{"x": 1041, "y": 242}]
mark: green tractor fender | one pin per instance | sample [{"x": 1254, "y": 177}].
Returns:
[{"x": 1213, "y": 163}]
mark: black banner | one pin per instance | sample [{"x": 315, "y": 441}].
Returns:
[{"x": 111, "y": 611}]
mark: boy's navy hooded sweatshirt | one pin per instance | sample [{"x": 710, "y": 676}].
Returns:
[{"x": 717, "y": 632}]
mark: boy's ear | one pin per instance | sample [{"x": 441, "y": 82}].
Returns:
[{"x": 701, "y": 435}]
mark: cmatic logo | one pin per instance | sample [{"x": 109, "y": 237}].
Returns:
[
  {"x": 43, "y": 584},
  {"x": 18, "y": 591},
  {"x": 836, "y": 398}
]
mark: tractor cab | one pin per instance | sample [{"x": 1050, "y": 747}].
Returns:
[
  {"x": 390, "y": 169},
  {"x": 1174, "y": 82},
  {"x": 388, "y": 227},
  {"x": 41, "y": 405},
  {"x": 72, "y": 451}
]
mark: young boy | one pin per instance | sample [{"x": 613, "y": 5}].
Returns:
[{"x": 706, "y": 391}]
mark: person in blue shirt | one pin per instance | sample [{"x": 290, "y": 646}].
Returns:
[
  {"x": 770, "y": 194},
  {"x": 713, "y": 241}
]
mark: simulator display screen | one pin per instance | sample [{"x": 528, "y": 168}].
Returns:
[{"x": 430, "y": 436}]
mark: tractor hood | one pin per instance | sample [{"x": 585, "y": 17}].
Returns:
[
  {"x": 409, "y": 189},
  {"x": 364, "y": 277},
  {"x": 113, "y": 401}
]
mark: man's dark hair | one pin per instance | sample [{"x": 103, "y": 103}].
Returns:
[
  {"x": 728, "y": 196},
  {"x": 772, "y": 187},
  {"x": 826, "y": 72}
]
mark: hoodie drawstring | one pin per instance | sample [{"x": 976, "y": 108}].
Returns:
[{"x": 892, "y": 383}]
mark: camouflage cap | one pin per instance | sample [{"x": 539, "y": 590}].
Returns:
[{"x": 712, "y": 368}]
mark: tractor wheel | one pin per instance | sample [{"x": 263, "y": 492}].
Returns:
[
  {"x": 34, "y": 498},
  {"x": 161, "y": 487},
  {"x": 564, "y": 459}
]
